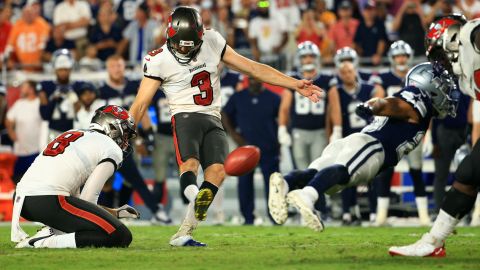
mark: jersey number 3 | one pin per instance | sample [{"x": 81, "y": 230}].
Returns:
[
  {"x": 202, "y": 80},
  {"x": 57, "y": 146}
]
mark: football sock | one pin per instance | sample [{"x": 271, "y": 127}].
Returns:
[
  {"x": 422, "y": 209},
  {"x": 329, "y": 177},
  {"x": 443, "y": 225},
  {"x": 208, "y": 185},
  {"x": 191, "y": 192},
  {"x": 311, "y": 193},
  {"x": 418, "y": 184},
  {"x": 457, "y": 204},
  {"x": 57, "y": 241},
  {"x": 382, "y": 210},
  {"x": 299, "y": 178},
  {"x": 187, "y": 179}
]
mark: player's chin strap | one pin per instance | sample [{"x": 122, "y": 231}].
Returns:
[{"x": 16, "y": 233}]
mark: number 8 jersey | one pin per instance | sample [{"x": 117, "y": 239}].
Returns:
[
  {"x": 192, "y": 87},
  {"x": 67, "y": 162}
]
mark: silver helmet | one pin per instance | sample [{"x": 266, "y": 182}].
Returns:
[
  {"x": 434, "y": 81},
  {"x": 397, "y": 48},
  {"x": 346, "y": 54},
  {"x": 115, "y": 122},
  {"x": 308, "y": 48}
]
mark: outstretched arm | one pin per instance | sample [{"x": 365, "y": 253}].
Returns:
[
  {"x": 269, "y": 75},
  {"x": 390, "y": 107},
  {"x": 146, "y": 91}
]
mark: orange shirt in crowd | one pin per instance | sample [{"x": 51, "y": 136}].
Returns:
[
  {"x": 342, "y": 34},
  {"x": 27, "y": 41}
]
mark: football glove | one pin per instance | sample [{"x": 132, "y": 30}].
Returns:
[
  {"x": 126, "y": 211},
  {"x": 364, "y": 110},
  {"x": 283, "y": 136}
]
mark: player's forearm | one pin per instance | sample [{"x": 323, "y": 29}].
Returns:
[
  {"x": 270, "y": 75},
  {"x": 137, "y": 111},
  {"x": 113, "y": 212},
  {"x": 95, "y": 182}
]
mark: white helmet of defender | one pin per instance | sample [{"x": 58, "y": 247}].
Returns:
[
  {"x": 345, "y": 54},
  {"x": 438, "y": 84},
  {"x": 308, "y": 48},
  {"x": 397, "y": 48}
]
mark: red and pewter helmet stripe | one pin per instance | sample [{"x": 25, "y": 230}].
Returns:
[
  {"x": 171, "y": 32},
  {"x": 438, "y": 28},
  {"x": 117, "y": 111}
]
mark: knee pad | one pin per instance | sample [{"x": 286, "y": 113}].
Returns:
[{"x": 186, "y": 179}]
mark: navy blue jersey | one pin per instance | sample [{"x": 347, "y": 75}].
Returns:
[
  {"x": 122, "y": 97},
  {"x": 228, "y": 84},
  {"x": 351, "y": 122},
  {"x": 58, "y": 112},
  {"x": 305, "y": 114},
  {"x": 399, "y": 137},
  {"x": 127, "y": 9},
  {"x": 162, "y": 112},
  {"x": 390, "y": 82},
  {"x": 255, "y": 118}
]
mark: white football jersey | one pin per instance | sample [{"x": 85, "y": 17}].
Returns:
[
  {"x": 66, "y": 163},
  {"x": 192, "y": 87},
  {"x": 468, "y": 66}
]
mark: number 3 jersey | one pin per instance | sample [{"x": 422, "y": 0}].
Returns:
[
  {"x": 192, "y": 87},
  {"x": 67, "y": 162},
  {"x": 399, "y": 137}
]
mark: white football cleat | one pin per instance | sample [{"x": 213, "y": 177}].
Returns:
[
  {"x": 310, "y": 216},
  {"x": 161, "y": 217},
  {"x": 42, "y": 233},
  {"x": 277, "y": 203},
  {"x": 427, "y": 246}
]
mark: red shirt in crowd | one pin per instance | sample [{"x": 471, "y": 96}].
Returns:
[{"x": 5, "y": 28}]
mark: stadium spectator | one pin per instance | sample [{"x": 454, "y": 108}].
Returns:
[
  {"x": 410, "y": 25},
  {"x": 240, "y": 25},
  {"x": 5, "y": 27},
  {"x": 324, "y": 15},
  {"x": 370, "y": 37},
  {"x": 73, "y": 17},
  {"x": 343, "y": 31},
  {"x": 27, "y": 40},
  {"x": 57, "y": 41},
  {"x": 268, "y": 36},
  {"x": 105, "y": 35},
  {"x": 439, "y": 8},
  {"x": 23, "y": 125},
  {"x": 250, "y": 118},
  {"x": 223, "y": 25},
  {"x": 447, "y": 136},
  {"x": 311, "y": 30},
  {"x": 288, "y": 9},
  {"x": 87, "y": 103},
  {"x": 90, "y": 62},
  {"x": 57, "y": 98},
  {"x": 138, "y": 36},
  {"x": 469, "y": 8}
]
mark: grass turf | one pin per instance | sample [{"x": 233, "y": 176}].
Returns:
[{"x": 252, "y": 248}]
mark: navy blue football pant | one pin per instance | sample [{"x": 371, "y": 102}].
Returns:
[
  {"x": 269, "y": 163},
  {"x": 131, "y": 175}
]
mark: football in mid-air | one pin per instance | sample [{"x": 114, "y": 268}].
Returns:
[{"x": 242, "y": 160}]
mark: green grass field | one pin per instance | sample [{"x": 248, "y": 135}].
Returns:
[{"x": 253, "y": 248}]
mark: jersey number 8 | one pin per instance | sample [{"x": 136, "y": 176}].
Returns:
[
  {"x": 304, "y": 106},
  {"x": 202, "y": 80},
  {"x": 57, "y": 146}
]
